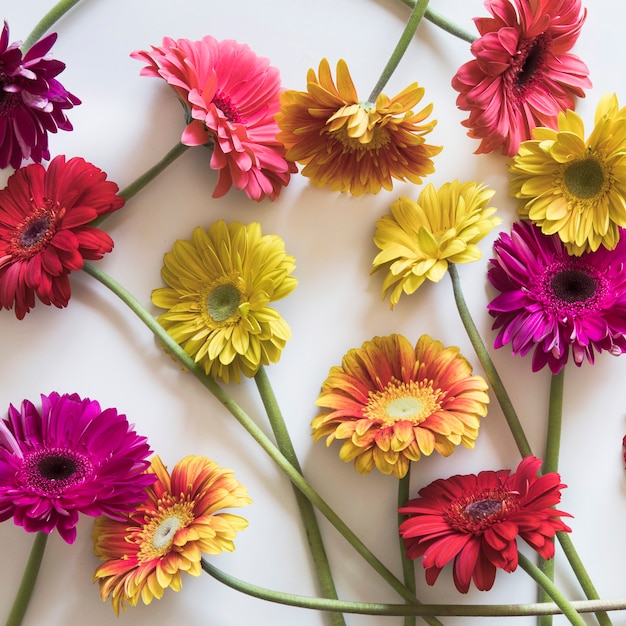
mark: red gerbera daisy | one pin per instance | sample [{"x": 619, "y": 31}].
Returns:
[
  {"x": 32, "y": 101},
  {"x": 44, "y": 233},
  {"x": 231, "y": 97},
  {"x": 523, "y": 73},
  {"x": 475, "y": 520}
]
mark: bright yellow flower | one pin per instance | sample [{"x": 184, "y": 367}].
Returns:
[
  {"x": 179, "y": 521},
  {"x": 355, "y": 146},
  {"x": 220, "y": 285},
  {"x": 573, "y": 187},
  {"x": 391, "y": 403},
  {"x": 419, "y": 239}
]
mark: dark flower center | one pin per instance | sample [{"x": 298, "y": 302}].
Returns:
[
  {"x": 35, "y": 231},
  {"x": 226, "y": 106},
  {"x": 52, "y": 471},
  {"x": 572, "y": 285},
  {"x": 584, "y": 178},
  {"x": 475, "y": 512},
  {"x": 483, "y": 508},
  {"x": 223, "y": 302},
  {"x": 527, "y": 65}
]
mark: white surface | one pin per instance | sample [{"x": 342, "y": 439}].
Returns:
[{"x": 97, "y": 348}]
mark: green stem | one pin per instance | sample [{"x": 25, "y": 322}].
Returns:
[
  {"x": 581, "y": 574},
  {"x": 254, "y": 431},
  {"x": 552, "y": 591},
  {"x": 307, "y": 512},
  {"x": 148, "y": 176},
  {"x": 488, "y": 367},
  {"x": 551, "y": 464},
  {"x": 29, "y": 578},
  {"x": 419, "y": 610},
  {"x": 408, "y": 34},
  {"x": 444, "y": 23},
  {"x": 408, "y": 566},
  {"x": 44, "y": 24}
]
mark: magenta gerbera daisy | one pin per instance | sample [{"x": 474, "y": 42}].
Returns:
[
  {"x": 44, "y": 231},
  {"x": 523, "y": 73},
  {"x": 231, "y": 97},
  {"x": 69, "y": 457},
  {"x": 554, "y": 302},
  {"x": 474, "y": 520},
  {"x": 32, "y": 100}
]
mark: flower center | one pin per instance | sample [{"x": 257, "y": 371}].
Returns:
[
  {"x": 475, "y": 512},
  {"x": 35, "y": 232},
  {"x": 528, "y": 63},
  {"x": 223, "y": 301},
  {"x": 572, "y": 285},
  {"x": 483, "y": 508},
  {"x": 414, "y": 402},
  {"x": 226, "y": 106},
  {"x": 584, "y": 178},
  {"x": 164, "y": 534},
  {"x": 53, "y": 471}
]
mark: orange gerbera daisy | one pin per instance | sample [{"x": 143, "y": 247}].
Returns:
[
  {"x": 167, "y": 535},
  {"x": 355, "y": 146},
  {"x": 392, "y": 402}
]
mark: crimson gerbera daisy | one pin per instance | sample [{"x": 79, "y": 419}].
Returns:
[
  {"x": 44, "y": 231},
  {"x": 554, "y": 302},
  {"x": 69, "y": 457},
  {"x": 230, "y": 96},
  {"x": 475, "y": 520},
  {"x": 523, "y": 74},
  {"x": 32, "y": 100}
]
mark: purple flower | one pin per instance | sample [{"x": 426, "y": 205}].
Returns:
[
  {"x": 69, "y": 458},
  {"x": 553, "y": 302},
  {"x": 32, "y": 101}
]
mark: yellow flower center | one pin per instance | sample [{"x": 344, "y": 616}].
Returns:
[
  {"x": 585, "y": 178},
  {"x": 414, "y": 402},
  {"x": 157, "y": 535},
  {"x": 221, "y": 302}
]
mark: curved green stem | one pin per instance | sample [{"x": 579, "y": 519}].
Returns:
[
  {"x": 307, "y": 512},
  {"x": 419, "y": 610},
  {"x": 406, "y": 37},
  {"x": 444, "y": 23},
  {"x": 29, "y": 578},
  {"x": 44, "y": 24},
  {"x": 148, "y": 176},
  {"x": 408, "y": 566},
  {"x": 551, "y": 590},
  {"x": 254, "y": 431},
  {"x": 488, "y": 367}
]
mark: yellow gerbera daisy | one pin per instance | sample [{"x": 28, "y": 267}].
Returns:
[
  {"x": 355, "y": 146},
  {"x": 392, "y": 402},
  {"x": 220, "y": 284},
  {"x": 419, "y": 239},
  {"x": 573, "y": 187},
  {"x": 180, "y": 519}
]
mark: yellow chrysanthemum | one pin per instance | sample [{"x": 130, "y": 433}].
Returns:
[
  {"x": 419, "y": 239},
  {"x": 391, "y": 403},
  {"x": 350, "y": 145},
  {"x": 179, "y": 521},
  {"x": 573, "y": 187},
  {"x": 220, "y": 285}
]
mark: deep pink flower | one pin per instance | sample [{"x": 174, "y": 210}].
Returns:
[
  {"x": 32, "y": 100},
  {"x": 555, "y": 302},
  {"x": 475, "y": 520},
  {"x": 231, "y": 97},
  {"x": 523, "y": 73},
  {"x": 70, "y": 457},
  {"x": 44, "y": 232}
]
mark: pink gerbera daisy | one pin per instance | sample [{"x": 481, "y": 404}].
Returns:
[
  {"x": 523, "y": 73},
  {"x": 231, "y": 96},
  {"x": 32, "y": 101},
  {"x": 475, "y": 520},
  {"x": 69, "y": 457},
  {"x": 554, "y": 302},
  {"x": 44, "y": 231}
]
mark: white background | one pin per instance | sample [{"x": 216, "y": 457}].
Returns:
[{"x": 98, "y": 349}]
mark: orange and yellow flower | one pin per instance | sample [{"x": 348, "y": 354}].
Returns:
[
  {"x": 391, "y": 402},
  {"x": 355, "y": 146},
  {"x": 167, "y": 534}
]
